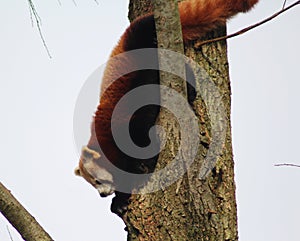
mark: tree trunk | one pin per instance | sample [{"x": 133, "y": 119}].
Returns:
[{"x": 195, "y": 207}]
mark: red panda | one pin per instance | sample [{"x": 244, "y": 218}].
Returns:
[{"x": 197, "y": 18}]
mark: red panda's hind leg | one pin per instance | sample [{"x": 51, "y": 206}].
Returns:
[
  {"x": 244, "y": 6},
  {"x": 120, "y": 203}
]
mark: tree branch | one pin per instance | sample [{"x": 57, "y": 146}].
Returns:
[
  {"x": 198, "y": 45},
  {"x": 286, "y": 164},
  {"x": 20, "y": 218}
]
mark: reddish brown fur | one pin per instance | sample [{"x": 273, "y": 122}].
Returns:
[{"x": 197, "y": 18}]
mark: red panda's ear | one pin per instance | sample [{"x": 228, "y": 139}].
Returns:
[
  {"x": 77, "y": 171},
  {"x": 88, "y": 154}
]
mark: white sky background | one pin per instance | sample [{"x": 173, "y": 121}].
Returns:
[{"x": 38, "y": 95}]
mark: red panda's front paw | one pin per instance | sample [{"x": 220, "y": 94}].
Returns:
[
  {"x": 119, "y": 204},
  {"x": 117, "y": 209}
]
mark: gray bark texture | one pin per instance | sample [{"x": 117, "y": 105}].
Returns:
[{"x": 192, "y": 208}]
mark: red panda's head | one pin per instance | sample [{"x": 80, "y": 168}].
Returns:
[{"x": 96, "y": 175}]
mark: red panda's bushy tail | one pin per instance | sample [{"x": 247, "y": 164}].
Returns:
[{"x": 200, "y": 16}]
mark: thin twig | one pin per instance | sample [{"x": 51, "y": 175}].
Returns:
[
  {"x": 283, "y": 6},
  {"x": 38, "y": 23},
  {"x": 197, "y": 45},
  {"x": 74, "y": 3},
  {"x": 30, "y": 11},
  {"x": 33, "y": 10},
  {"x": 287, "y": 164},
  {"x": 11, "y": 238}
]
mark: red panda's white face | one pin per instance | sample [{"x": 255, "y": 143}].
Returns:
[{"x": 99, "y": 177}]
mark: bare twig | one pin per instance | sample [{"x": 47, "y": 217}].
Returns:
[
  {"x": 38, "y": 23},
  {"x": 286, "y": 164},
  {"x": 9, "y": 233},
  {"x": 197, "y": 45},
  {"x": 283, "y": 6},
  {"x": 31, "y": 18},
  {"x": 74, "y": 3}
]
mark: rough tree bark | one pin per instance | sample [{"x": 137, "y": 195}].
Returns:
[{"x": 192, "y": 208}]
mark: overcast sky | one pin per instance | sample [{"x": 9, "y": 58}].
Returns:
[{"x": 38, "y": 96}]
